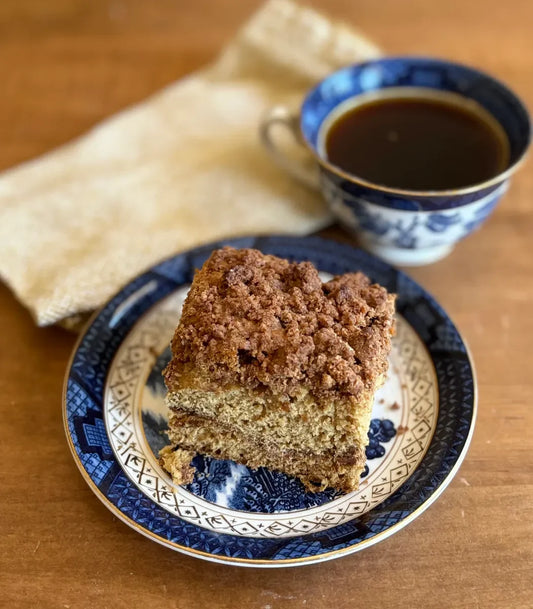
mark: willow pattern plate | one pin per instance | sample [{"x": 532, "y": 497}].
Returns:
[{"x": 115, "y": 421}]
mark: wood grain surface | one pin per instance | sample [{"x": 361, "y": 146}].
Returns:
[{"x": 64, "y": 65}]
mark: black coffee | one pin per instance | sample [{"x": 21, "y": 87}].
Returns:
[{"x": 417, "y": 144}]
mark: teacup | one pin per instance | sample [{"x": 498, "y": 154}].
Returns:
[{"x": 406, "y": 227}]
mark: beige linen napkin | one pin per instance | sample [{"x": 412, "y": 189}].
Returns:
[{"x": 182, "y": 168}]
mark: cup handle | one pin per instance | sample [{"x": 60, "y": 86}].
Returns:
[{"x": 280, "y": 115}]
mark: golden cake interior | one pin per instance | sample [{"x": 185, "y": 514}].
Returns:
[{"x": 271, "y": 367}]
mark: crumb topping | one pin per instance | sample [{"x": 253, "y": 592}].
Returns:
[{"x": 264, "y": 322}]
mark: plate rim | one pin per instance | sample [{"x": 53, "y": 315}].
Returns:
[{"x": 264, "y": 562}]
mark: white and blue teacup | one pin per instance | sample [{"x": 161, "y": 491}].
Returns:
[{"x": 406, "y": 227}]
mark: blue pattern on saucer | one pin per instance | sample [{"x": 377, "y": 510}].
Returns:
[{"x": 84, "y": 417}]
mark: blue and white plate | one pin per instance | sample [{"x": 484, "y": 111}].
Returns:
[{"x": 115, "y": 421}]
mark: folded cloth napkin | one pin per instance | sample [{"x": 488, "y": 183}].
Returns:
[{"x": 182, "y": 168}]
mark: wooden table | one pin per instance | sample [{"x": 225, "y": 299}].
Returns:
[{"x": 64, "y": 65}]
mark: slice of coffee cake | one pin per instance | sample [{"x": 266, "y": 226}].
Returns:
[{"x": 271, "y": 367}]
